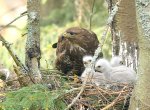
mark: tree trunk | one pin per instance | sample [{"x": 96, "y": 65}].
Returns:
[
  {"x": 33, "y": 53},
  {"x": 79, "y": 10},
  {"x": 124, "y": 32},
  {"x": 141, "y": 98}
]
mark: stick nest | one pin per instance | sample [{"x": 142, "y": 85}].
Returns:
[{"x": 93, "y": 97}]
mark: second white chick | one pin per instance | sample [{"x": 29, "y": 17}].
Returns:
[
  {"x": 116, "y": 61},
  {"x": 120, "y": 74},
  {"x": 93, "y": 77},
  {"x": 87, "y": 61}
]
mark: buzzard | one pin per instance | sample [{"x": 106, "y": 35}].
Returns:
[{"x": 72, "y": 45}]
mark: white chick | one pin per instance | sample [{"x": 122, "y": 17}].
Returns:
[
  {"x": 93, "y": 77},
  {"x": 116, "y": 61},
  {"x": 87, "y": 61},
  {"x": 120, "y": 74}
]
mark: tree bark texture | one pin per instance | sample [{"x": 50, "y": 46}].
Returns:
[
  {"x": 33, "y": 53},
  {"x": 124, "y": 32},
  {"x": 141, "y": 95}
]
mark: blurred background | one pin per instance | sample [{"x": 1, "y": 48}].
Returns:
[{"x": 56, "y": 17}]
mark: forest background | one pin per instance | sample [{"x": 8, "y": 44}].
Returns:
[{"x": 56, "y": 17}]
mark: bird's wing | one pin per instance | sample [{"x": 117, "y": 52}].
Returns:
[
  {"x": 63, "y": 62},
  {"x": 121, "y": 77},
  {"x": 122, "y": 74}
]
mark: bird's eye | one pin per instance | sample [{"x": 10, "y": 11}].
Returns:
[
  {"x": 71, "y": 33},
  {"x": 90, "y": 60},
  {"x": 98, "y": 66}
]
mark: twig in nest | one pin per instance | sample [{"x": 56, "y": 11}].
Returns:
[
  {"x": 114, "y": 101},
  {"x": 21, "y": 15},
  {"x": 77, "y": 97},
  {"x": 101, "y": 94}
]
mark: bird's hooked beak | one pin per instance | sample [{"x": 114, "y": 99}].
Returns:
[
  {"x": 98, "y": 71},
  {"x": 54, "y": 45}
]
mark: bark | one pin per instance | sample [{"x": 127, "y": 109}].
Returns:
[
  {"x": 33, "y": 53},
  {"x": 79, "y": 10},
  {"x": 141, "y": 98},
  {"x": 124, "y": 32},
  {"x": 115, "y": 37}
]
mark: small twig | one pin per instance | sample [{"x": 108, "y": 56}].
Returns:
[
  {"x": 103, "y": 38},
  {"x": 114, "y": 101},
  {"x": 101, "y": 94},
  {"x": 21, "y": 15},
  {"x": 123, "y": 92},
  {"x": 10, "y": 26},
  {"x": 22, "y": 35},
  {"x": 91, "y": 15}
]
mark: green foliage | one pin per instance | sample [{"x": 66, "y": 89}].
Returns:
[
  {"x": 43, "y": 1},
  {"x": 59, "y": 16},
  {"x": 35, "y": 97},
  {"x": 61, "y": 13}
]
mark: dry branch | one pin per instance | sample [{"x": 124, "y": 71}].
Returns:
[
  {"x": 21, "y": 15},
  {"x": 114, "y": 101},
  {"x": 13, "y": 55},
  {"x": 79, "y": 94}
]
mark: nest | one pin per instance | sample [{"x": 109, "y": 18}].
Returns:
[
  {"x": 97, "y": 97},
  {"x": 115, "y": 97}
]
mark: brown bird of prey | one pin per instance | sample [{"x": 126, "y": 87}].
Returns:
[{"x": 72, "y": 45}]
